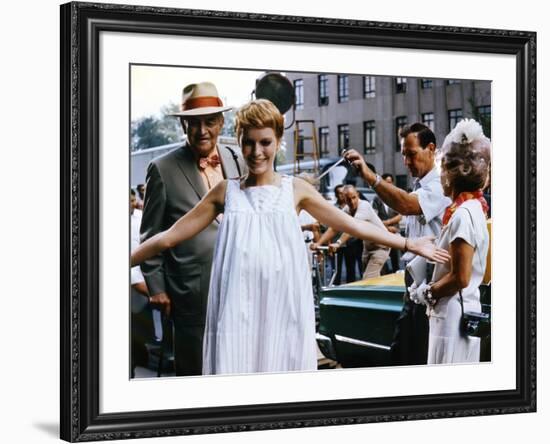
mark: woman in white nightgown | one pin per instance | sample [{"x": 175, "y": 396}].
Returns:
[{"x": 260, "y": 314}]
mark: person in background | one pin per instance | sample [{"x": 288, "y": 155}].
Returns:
[
  {"x": 137, "y": 279},
  {"x": 140, "y": 188},
  {"x": 339, "y": 261},
  {"x": 391, "y": 220},
  {"x": 141, "y": 324},
  {"x": 423, "y": 208},
  {"x": 372, "y": 255},
  {"x": 339, "y": 195}
]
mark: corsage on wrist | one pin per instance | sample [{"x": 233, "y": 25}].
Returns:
[
  {"x": 428, "y": 296},
  {"x": 422, "y": 294}
]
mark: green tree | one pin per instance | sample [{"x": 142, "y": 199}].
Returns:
[
  {"x": 228, "y": 129},
  {"x": 151, "y": 131}
]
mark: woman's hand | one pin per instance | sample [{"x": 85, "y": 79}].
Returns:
[
  {"x": 418, "y": 294},
  {"x": 424, "y": 246}
]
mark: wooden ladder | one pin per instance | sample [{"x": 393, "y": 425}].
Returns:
[{"x": 300, "y": 152}]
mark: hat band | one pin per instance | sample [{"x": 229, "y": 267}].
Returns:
[{"x": 201, "y": 102}]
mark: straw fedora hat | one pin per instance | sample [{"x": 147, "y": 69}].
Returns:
[{"x": 200, "y": 99}]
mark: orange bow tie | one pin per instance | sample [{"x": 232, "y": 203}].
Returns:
[{"x": 212, "y": 161}]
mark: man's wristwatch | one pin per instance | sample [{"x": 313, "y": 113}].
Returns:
[{"x": 377, "y": 181}]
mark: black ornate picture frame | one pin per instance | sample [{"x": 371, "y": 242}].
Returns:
[{"x": 81, "y": 26}]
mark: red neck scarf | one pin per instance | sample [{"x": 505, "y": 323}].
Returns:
[{"x": 460, "y": 199}]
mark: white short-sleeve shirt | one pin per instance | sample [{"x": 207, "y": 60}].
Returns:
[
  {"x": 366, "y": 212},
  {"x": 433, "y": 203},
  {"x": 468, "y": 223}
]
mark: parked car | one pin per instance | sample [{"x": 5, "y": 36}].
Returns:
[{"x": 357, "y": 320}]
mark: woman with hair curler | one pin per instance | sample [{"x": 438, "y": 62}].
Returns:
[{"x": 465, "y": 163}]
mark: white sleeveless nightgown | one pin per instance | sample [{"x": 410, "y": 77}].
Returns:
[{"x": 260, "y": 315}]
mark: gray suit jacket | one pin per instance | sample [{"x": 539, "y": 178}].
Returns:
[{"x": 174, "y": 186}]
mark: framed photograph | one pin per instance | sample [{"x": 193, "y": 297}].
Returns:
[{"x": 360, "y": 82}]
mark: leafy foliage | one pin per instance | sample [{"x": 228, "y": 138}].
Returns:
[{"x": 151, "y": 131}]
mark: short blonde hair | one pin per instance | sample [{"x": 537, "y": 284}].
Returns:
[{"x": 259, "y": 113}]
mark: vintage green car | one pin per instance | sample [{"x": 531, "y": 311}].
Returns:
[{"x": 357, "y": 320}]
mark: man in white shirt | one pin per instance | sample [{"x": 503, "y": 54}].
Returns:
[
  {"x": 373, "y": 255},
  {"x": 424, "y": 208}
]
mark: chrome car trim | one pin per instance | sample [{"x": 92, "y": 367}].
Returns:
[
  {"x": 361, "y": 343},
  {"x": 326, "y": 346}
]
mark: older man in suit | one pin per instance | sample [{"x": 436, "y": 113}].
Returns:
[{"x": 178, "y": 280}]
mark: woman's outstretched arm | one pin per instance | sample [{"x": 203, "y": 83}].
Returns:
[
  {"x": 185, "y": 227},
  {"x": 306, "y": 197}
]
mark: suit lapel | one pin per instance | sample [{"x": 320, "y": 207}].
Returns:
[{"x": 188, "y": 166}]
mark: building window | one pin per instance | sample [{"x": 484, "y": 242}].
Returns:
[
  {"x": 484, "y": 117},
  {"x": 323, "y": 139},
  {"x": 343, "y": 88},
  {"x": 400, "y": 123},
  {"x": 343, "y": 137},
  {"x": 428, "y": 120},
  {"x": 400, "y": 84},
  {"x": 323, "y": 90},
  {"x": 484, "y": 111},
  {"x": 455, "y": 115},
  {"x": 426, "y": 83},
  {"x": 369, "y": 129},
  {"x": 369, "y": 87},
  {"x": 299, "y": 93},
  {"x": 453, "y": 82}
]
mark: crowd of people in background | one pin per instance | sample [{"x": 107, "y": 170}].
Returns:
[{"x": 357, "y": 258}]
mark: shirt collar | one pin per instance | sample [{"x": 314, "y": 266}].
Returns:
[{"x": 432, "y": 175}]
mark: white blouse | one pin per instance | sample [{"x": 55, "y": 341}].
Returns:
[{"x": 468, "y": 223}]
